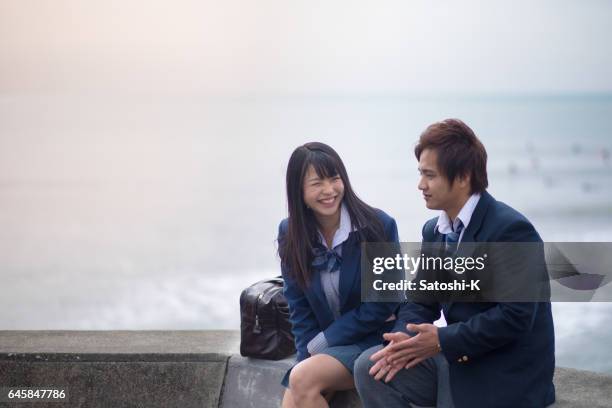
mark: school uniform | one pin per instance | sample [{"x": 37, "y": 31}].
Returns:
[
  {"x": 492, "y": 354},
  {"x": 328, "y": 316}
]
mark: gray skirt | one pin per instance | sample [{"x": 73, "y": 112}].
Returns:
[{"x": 344, "y": 354}]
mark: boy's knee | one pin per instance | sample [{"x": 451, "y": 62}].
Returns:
[{"x": 363, "y": 364}]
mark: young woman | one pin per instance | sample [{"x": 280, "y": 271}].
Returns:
[{"x": 319, "y": 247}]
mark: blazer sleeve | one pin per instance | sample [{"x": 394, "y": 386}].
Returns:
[
  {"x": 417, "y": 313},
  {"x": 486, "y": 331},
  {"x": 499, "y": 325},
  {"x": 304, "y": 325},
  {"x": 367, "y": 317}
]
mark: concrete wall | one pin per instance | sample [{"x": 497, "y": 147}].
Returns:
[
  {"x": 120, "y": 368},
  {"x": 183, "y": 369}
]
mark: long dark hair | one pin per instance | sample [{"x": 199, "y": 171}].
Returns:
[{"x": 296, "y": 246}]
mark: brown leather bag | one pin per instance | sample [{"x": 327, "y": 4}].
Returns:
[{"x": 265, "y": 329}]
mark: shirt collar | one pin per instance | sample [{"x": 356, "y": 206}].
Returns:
[
  {"x": 465, "y": 215},
  {"x": 343, "y": 231}
]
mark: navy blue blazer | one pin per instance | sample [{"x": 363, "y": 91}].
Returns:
[
  {"x": 499, "y": 354},
  {"x": 361, "y": 324}
]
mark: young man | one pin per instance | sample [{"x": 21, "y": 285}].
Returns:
[{"x": 489, "y": 354}]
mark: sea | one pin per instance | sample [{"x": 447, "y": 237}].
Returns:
[{"x": 147, "y": 212}]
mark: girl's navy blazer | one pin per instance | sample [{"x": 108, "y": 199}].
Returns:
[{"x": 360, "y": 323}]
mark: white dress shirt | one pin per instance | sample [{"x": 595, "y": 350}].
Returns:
[{"x": 465, "y": 215}]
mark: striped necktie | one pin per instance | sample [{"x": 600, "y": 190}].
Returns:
[{"x": 452, "y": 238}]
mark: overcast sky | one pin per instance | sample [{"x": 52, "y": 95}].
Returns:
[{"x": 305, "y": 46}]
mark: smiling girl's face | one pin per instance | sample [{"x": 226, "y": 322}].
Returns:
[{"x": 323, "y": 195}]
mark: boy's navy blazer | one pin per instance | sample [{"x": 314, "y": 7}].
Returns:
[
  {"x": 360, "y": 323},
  {"x": 499, "y": 354}
]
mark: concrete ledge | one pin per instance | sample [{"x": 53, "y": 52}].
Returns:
[
  {"x": 252, "y": 383},
  {"x": 119, "y": 368},
  {"x": 255, "y": 383},
  {"x": 579, "y": 388},
  {"x": 124, "y": 345},
  {"x": 185, "y": 369},
  {"x": 121, "y": 384}
]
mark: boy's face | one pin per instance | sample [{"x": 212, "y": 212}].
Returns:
[{"x": 437, "y": 191}]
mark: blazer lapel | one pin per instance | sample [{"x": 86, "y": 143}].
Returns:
[
  {"x": 318, "y": 296},
  {"x": 466, "y": 246},
  {"x": 351, "y": 255},
  {"x": 469, "y": 235},
  {"x": 437, "y": 245}
]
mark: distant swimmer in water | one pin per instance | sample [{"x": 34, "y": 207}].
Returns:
[{"x": 605, "y": 155}]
